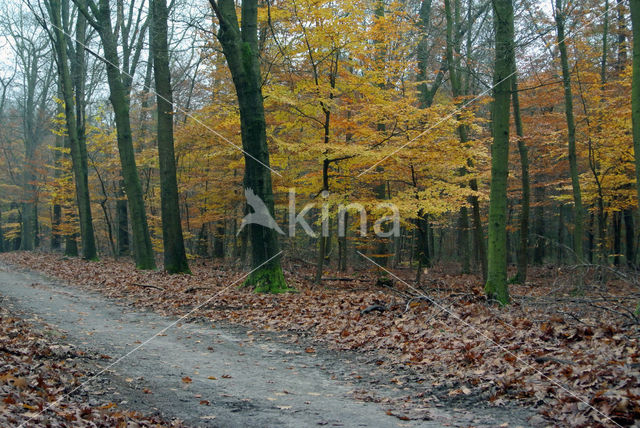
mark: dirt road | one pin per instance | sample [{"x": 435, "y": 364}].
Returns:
[{"x": 209, "y": 375}]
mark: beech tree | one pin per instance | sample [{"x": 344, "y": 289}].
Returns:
[
  {"x": 175, "y": 258},
  {"x": 72, "y": 79},
  {"x": 31, "y": 48},
  {"x": 239, "y": 40},
  {"x": 560, "y": 17},
  {"x": 496, "y": 286},
  {"x": 99, "y": 17}
]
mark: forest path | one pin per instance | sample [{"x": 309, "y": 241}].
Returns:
[{"x": 224, "y": 376}]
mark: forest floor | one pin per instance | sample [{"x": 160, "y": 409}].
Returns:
[{"x": 558, "y": 355}]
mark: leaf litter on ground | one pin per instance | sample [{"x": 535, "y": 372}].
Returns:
[
  {"x": 40, "y": 380},
  {"x": 573, "y": 361}
]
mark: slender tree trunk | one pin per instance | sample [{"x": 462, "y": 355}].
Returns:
[
  {"x": 478, "y": 232},
  {"x": 452, "y": 13},
  {"x": 571, "y": 132},
  {"x": 605, "y": 44},
  {"x": 539, "y": 226},
  {"x": 342, "y": 246},
  {"x": 560, "y": 238},
  {"x": 617, "y": 237},
  {"x": 496, "y": 286},
  {"x": 622, "y": 36},
  {"x": 218, "y": 243},
  {"x": 202, "y": 242},
  {"x": 28, "y": 224},
  {"x": 57, "y": 209},
  {"x": 175, "y": 257},
  {"x": 463, "y": 240},
  {"x": 523, "y": 251},
  {"x": 629, "y": 234},
  {"x": 2, "y": 245},
  {"x": 122, "y": 220},
  {"x": 74, "y": 114},
  {"x": 590, "y": 238},
  {"x": 143, "y": 250}
]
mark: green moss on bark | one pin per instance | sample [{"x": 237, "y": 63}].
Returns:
[
  {"x": 268, "y": 279},
  {"x": 497, "y": 292}
]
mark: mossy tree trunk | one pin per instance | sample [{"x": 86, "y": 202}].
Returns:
[
  {"x": 71, "y": 71},
  {"x": 241, "y": 50},
  {"x": 175, "y": 257},
  {"x": 99, "y": 16},
  {"x": 496, "y": 285},
  {"x": 571, "y": 132}
]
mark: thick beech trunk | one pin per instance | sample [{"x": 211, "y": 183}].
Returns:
[
  {"x": 496, "y": 286},
  {"x": 175, "y": 257},
  {"x": 99, "y": 16},
  {"x": 240, "y": 48}
]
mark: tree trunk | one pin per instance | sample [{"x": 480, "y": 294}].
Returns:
[
  {"x": 605, "y": 44},
  {"x": 571, "y": 132},
  {"x": 2, "y": 245},
  {"x": 617, "y": 237},
  {"x": 496, "y": 286},
  {"x": 72, "y": 90},
  {"x": 143, "y": 250},
  {"x": 241, "y": 50},
  {"x": 629, "y": 235},
  {"x": 560, "y": 238},
  {"x": 463, "y": 240},
  {"x": 452, "y": 15},
  {"x": 590, "y": 238},
  {"x": 342, "y": 245},
  {"x": 27, "y": 225},
  {"x": 71, "y": 245},
  {"x": 622, "y": 37},
  {"x": 122, "y": 219},
  {"x": 175, "y": 257},
  {"x": 523, "y": 251},
  {"x": 56, "y": 217},
  {"x": 218, "y": 243},
  {"x": 539, "y": 226}
]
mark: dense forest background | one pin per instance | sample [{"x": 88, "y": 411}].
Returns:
[{"x": 371, "y": 101}]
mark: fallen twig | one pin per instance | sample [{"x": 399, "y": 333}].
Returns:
[
  {"x": 379, "y": 308},
  {"x": 553, "y": 360},
  {"x": 148, "y": 286},
  {"x": 194, "y": 289}
]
